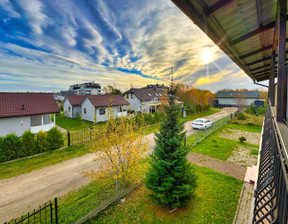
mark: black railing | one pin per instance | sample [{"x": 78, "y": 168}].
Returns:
[
  {"x": 271, "y": 200},
  {"x": 48, "y": 213}
]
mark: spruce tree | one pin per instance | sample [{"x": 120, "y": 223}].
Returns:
[{"x": 170, "y": 178}]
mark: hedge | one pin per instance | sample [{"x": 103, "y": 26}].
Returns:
[{"x": 14, "y": 147}]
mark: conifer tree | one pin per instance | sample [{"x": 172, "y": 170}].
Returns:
[{"x": 170, "y": 177}]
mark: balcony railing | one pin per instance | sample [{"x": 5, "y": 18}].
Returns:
[{"x": 271, "y": 200}]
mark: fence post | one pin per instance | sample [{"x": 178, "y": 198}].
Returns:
[
  {"x": 185, "y": 140},
  {"x": 56, "y": 211},
  {"x": 117, "y": 185},
  {"x": 196, "y": 136},
  {"x": 68, "y": 138}
]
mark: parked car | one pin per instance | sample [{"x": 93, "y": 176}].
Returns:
[{"x": 202, "y": 123}]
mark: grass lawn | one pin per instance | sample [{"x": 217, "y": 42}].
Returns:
[
  {"x": 242, "y": 127},
  {"x": 72, "y": 124},
  {"x": 250, "y": 120},
  {"x": 9, "y": 170},
  {"x": 214, "y": 146},
  {"x": 195, "y": 116},
  {"x": 216, "y": 200}
]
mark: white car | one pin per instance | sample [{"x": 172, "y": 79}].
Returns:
[{"x": 202, "y": 123}]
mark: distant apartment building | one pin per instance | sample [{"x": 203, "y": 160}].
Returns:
[{"x": 88, "y": 88}]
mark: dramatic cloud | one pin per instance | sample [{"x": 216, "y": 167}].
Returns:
[{"x": 47, "y": 46}]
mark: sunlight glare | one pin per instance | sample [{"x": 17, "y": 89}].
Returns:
[{"x": 207, "y": 56}]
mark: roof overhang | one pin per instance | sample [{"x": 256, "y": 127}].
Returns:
[{"x": 245, "y": 30}]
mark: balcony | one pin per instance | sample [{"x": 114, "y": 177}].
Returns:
[{"x": 270, "y": 194}]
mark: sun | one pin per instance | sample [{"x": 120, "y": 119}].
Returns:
[{"x": 207, "y": 56}]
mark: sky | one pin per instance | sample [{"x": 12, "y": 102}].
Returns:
[{"x": 49, "y": 45}]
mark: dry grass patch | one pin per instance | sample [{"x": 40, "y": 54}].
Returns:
[
  {"x": 253, "y": 138},
  {"x": 241, "y": 155}
]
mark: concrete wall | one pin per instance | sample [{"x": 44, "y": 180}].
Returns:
[
  {"x": 90, "y": 111},
  {"x": 134, "y": 103},
  {"x": 66, "y": 106},
  {"x": 17, "y": 125},
  {"x": 232, "y": 101}
]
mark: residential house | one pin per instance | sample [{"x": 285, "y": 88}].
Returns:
[
  {"x": 147, "y": 99},
  {"x": 72, "y": 105},
  {"x": 20, "y": 112},
  {"x": 95, "y": 107},
  {"x": 88, "y": 88},
  {"x": 236, "y": 98}
]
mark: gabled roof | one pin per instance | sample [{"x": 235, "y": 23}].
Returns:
[
  {"x": 107, "y": 100},
  {"x": 232, "y": 94},
  {"x": 75, "y": 100},
  {"x": 24, "y": 104},
  {"x": 148, "y": 94}
]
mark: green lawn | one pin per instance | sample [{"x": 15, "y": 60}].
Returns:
[
  {"x": 214, "y": 146},
  {"x": 27, "y": 165},
  {"x": 72, "y": 124},
  {"x": 215, "y": 201},
  {"x": 242, "y": 127},
  {"x": 195, "y": 116}
]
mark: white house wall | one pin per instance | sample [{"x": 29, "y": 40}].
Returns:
[
  {"x": 90, "y": 110},
  {"x": 104, "y": 117},
  {"x": 134, "y": 103},
  {"x": 17, "y": 125},
  {"x": 76, "y": 109},
  {"x": 232, "y": 101},
  {"x": 66, "y": 106}
]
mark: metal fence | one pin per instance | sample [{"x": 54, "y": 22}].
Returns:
[
  {"x": 271, "y": 200},
  {"x": 199, "y": 135},
  {"x": 79, "y": 137},
  {"x": 48, "y": 213}
]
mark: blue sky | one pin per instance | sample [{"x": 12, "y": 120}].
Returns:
[{"x": 49, "y": 45}]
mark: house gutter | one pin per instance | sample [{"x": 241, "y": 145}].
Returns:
[{"x": 259, "y": 84}]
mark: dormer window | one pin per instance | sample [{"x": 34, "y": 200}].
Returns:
[
  {"x": 156, "y": 94},
  {"x": 149, "y": 94},
  {"x": 160, "y": 94}
]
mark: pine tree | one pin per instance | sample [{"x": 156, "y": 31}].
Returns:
[{"x": 171, "y": 177}]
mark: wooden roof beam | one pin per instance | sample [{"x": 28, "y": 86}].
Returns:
[
  {"x": 218, "y": 5},
  {"x": 253, "y": 33}
]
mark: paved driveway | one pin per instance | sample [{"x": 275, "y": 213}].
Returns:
[{"x": 25, "y": 192}]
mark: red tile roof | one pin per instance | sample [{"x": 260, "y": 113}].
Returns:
[
  {"x": 107, "y": 100},
  {"x": 24, "y": 104},
  {"x": 75, "y": 100}
]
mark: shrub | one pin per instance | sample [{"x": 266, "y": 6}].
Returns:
[
  {"x": 42, "y": 144},
  {"x": 11, "y": 147},
  {"x": 148, "y": 118},
  {"x": 78, "y": 116},
  {"x": 28, "y": 144},
  {"x": 251, "y": 109},
  {"x": 241, "y": 116},
  {"x": 54, "y": 139},
  {"x": 242, "y": 139},
  {"x": 261, "y": 110}
]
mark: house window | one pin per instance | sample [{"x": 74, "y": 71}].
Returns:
[
  {"x": 85, "y": 111},
  {"x": 101, "y": 111},
  {"x": 69, "y": 109},
  {"x": 131, "y": 96}
]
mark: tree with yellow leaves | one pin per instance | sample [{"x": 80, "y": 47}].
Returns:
[{"x": 120, "y": 149}]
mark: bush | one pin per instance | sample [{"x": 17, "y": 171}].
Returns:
[
  {"x": 42, "y": 144},
  {"x": 251, "y": 109},
  {"x": 11, "y": 146},
  {"x": 241, "y": 116},
  {"x": 242, "y": 139},
  {"x": 28, "y": 144},
  {"x": 261, "y": 110},
  {"x": 54, "y": 139}
]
